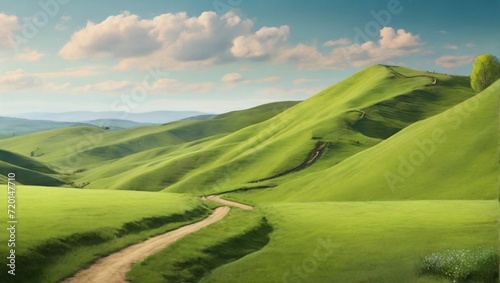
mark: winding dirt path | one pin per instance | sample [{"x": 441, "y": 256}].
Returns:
[
  {"x": 228, "y": 202},
  {"x": 434, "y": 79},
  {"x": 314, "y": 155},
  {"x": 113, "y": 268}
]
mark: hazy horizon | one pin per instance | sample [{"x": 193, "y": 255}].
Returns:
[{"x": 61, "y": 56}]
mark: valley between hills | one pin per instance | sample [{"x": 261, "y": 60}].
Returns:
[{"x": 362, "y": 182}]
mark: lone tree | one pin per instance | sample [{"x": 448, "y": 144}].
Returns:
[{"x": 485, "y": 71}]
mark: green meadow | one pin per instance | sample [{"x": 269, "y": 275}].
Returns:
[
  {"x": 359, "y": 183},
  {"x": 60, "y": 230}
]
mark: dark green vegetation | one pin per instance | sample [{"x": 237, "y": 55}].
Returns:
[{"x": 374, "y": 173}]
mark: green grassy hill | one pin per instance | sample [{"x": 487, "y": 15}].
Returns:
[
  {"x": 374, "y": 173},
  {"x": 352, "y": 220},
  {"x": 84, "y": 147},
  {"x": 453, "y": 155},
  {"x": 330, "y": 117},
  {"x": 61, "y": 230},
  {"x": 232, "y": 150},
  {"x": 29, "y": 171}
]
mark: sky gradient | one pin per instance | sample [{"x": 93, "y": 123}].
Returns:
[{"x": 222, "y": 55}]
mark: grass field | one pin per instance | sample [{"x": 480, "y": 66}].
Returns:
[
  {"x": 61, "y": 230},
  {"x": 229, "y": 150},
  {"x": 336, "y": 242},
  {"x": 238, "y": 235},
  {"x": 409, "y": 169},
  {"x": 420, "y": 162}
]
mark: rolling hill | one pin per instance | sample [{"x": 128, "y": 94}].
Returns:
[
  {"x": 453, "y": 155},
  {"x": 329, "y": 118},
  {"x": 375, "y": 172},
  {"x": 28, "y": 170},
  {"x": 250, "y": 148},
  {"x": 85, "y": 147}
]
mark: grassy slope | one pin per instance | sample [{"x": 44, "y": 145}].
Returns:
[
  {"x": 288, "y": 138},
  {"x": 161, "y": 166},
  {"x": 227, "y": 151},
  {"x": 89, "y": 147},
  {"x": 462, "y": 162},
  {"x": 366, "y": 242},
  {"x": 29, "y": 171},
  {"x": 373, "y": 241},
  {"x": 226, "y": 161},
  {"x": 50, "y": 217},
  {"x": 200, "y": 252}
]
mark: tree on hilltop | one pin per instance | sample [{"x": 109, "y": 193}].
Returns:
[{"x": 485, "y": 71}]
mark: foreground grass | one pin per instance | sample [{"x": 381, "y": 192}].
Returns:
[
  {"x": 188, "y": 260},
  {"x": 477, "y": 265},
  {"x": 361, "y": 241},
  {"x": 62, "y": 230}
]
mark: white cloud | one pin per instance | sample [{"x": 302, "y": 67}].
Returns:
[
  {"x": 392, "y": 44},
  {"x": 392, "y": 39},
  {"x": 442, "y": 31},
  {"x": 450, "y": 46},
  {"x": 121, "y": 36},
  {"x": 263, "y": 43},
  {"x": 82, "y": 71},
  {"x": 18, "y": 79},
  {"x": 9, "y": 25},
  {"x": 342, "y": 41},
  {"x": 301, "y": 81},
  {"x": 161, "y": 86},
  {"x": 176, "y": 41},
  {"x": 107, "y": 86},
  {"x": 449, "y": 61},
  {"x": 28, "y": 55},
  {"x": 170, "y": 40},
  {"x": 231, "y": 78}
]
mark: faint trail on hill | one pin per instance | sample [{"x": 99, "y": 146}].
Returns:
[
  {"x": 398, "y": 74},
  {"x": 363, "y": 114},
  {"x": 311, "y": 159},
  {"x": 218, "y": 199},
  {"x": 114, "y": 267}
]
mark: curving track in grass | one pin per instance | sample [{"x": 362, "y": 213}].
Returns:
[{"x": 114, "y": 267}]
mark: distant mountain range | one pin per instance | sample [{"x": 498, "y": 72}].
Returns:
[
  {"x": 27, "y": 123},
  {"x": 155, "y": 117},
  {"x": 17, "y": 126}
]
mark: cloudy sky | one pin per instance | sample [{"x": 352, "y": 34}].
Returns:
[{"x": 220, "y": 55}]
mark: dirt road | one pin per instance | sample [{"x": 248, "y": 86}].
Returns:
[
  {"x": 112, "y": 269},
  {"x": 228, "y": 202}
]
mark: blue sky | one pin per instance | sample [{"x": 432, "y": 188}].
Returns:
[{"x": 222, "y": 55}]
